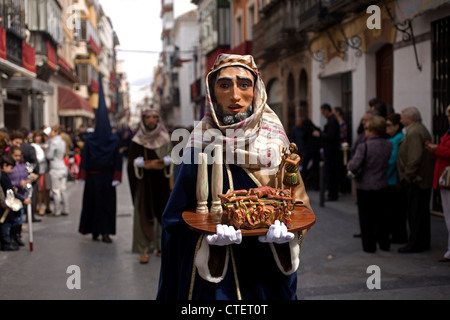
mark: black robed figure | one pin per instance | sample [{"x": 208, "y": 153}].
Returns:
[{"x": 101, "y": 169}]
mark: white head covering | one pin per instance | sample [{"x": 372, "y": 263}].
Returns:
[
  {"x": 258, "y": 139},
  {"x": 151, "y": 139}
]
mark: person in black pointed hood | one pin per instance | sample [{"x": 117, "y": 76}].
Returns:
[{"x": 101, "y": 169}]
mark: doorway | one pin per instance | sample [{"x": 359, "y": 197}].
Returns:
[
  {"x": 12, "y": 115},
  {"x": 385, "y": 74}
]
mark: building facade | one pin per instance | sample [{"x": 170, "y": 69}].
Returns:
[
  {"x": 51, "y": 52},
  {"x": 22, "y": 94},
  {"x": 185, "y": 38}
]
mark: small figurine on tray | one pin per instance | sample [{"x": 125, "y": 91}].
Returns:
[{"x": 290, "y": 163}]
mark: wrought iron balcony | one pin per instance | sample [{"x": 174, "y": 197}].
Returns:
[
  {"x": 278, "y": 31},
  {"x": 14, "y": 48},
  {"x": 317, "y": 15}
]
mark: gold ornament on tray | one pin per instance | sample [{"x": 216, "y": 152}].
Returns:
[{"x": 257, "y": 207}]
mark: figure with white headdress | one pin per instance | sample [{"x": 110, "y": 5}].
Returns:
[
  {"x": 227, "y": 265},
  {"x": 148, "y": 174}
]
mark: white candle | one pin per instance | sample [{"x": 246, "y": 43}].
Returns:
[
  {"x": 202, "y": 184},
  {"x": 217, "y": 182}
]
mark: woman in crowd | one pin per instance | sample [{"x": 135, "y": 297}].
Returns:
[
  {"x": 373, "y": 155},
  {"x": 441, "y": 154},
  {"x": 43, "y": 195},
  {"x": 395, "y": 197}
]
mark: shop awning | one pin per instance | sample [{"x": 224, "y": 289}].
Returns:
[{"x": 70, "y": 104}]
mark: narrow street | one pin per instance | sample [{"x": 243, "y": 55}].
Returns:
[
  {"x": 333, "y": 265},
  {"x": 108, "y": 271}
]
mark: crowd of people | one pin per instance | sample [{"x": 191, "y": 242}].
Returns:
[
  {"x": 393, "y": 158},
  {"x": 33, "y": 169},
  {"x": 45, "y": 159}
]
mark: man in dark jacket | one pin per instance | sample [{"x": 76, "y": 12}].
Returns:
[
  {"x": 415, "y": 177},
  {"x": 330, "y": 143}
]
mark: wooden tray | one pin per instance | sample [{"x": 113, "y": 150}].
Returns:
[{"x": 302, "y": 218}]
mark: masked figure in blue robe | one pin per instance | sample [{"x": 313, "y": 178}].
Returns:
[
  {"x": 226, "y": 265},
  {"x": 101, "y": 171}
]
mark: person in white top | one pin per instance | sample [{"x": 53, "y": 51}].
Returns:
[
  {"x": 43, "y": 195},
  {"x": 58, "y": 171}
]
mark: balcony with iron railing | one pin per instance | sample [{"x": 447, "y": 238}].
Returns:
[
  {"x": 14, "y": 48},
  {"x": 278, "y": 30},
  {"x": 317, "y": 15}
]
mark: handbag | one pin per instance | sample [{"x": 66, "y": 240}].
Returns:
[
  {"x": 444, "y": 179},
  {"x": 358, "y": 174}
]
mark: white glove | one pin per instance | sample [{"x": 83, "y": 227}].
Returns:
[
  {"x": 277, "y": 233},
  {"x": 115, "y": 183},
  {"x": 139, "y": 162},
  {"x": 224, "y": 236},
  {"x": 167, "y": 160}
]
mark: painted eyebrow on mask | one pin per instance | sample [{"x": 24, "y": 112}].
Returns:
[
  {"x": 224, "y": 79},
  {"x": 239, "y": 78},
  {"x": 244, "y": 78}
]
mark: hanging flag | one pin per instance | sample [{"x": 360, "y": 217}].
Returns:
[
  {"x": 2, "y": 43},
  {"x": 51, "y": 55},
  {"x": 28, "y": 57}
]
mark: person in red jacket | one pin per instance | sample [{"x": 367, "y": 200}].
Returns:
[{"x": 441, "y": 153}]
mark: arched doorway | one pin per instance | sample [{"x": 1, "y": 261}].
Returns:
[
  {"x": 275, "y": 97},
  {"x": 292, "y": 113},
  {"x": 303, "y": 93},
  {"x": 385, "y": 73}
]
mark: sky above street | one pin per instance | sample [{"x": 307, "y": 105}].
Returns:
[{"x": 138, "y": 25}]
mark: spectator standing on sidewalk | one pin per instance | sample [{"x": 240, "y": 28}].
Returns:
[
  {"x": 148, "y": 160},
  {"x": 9, "y": 227},
  {"x": 58, "y": 172},
  {"x": 395, "y": 198},
  {"x": 311, "y": 154},
  {"x": 415, "y": 173},
  {"x": 373, "y": 185},
  {"x": 20, "y": 177},
  {"x": 441, "y": 153},
  {"x": 344, "y": 182},
  {"x": 43, "y": 192},
  {"x": 332, "y": 157},
  {"x": 101, "y": 171},
  {"x": 20, "y": 138}
]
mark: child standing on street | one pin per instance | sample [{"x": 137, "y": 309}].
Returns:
[
  {"x": 11, "y": 223},
  {"x": 19, "y": 179}
]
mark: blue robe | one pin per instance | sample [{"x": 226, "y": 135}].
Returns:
[{"x": 258, "y": 274}]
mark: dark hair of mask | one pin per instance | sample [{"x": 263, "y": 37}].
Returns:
[{"x": 213, "y": 77}]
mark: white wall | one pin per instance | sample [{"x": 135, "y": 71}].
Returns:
[
  {"x": 326, "y": 85},
  {"x": 186, "y": 38},
  {"x": 413, "y": 87}
]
